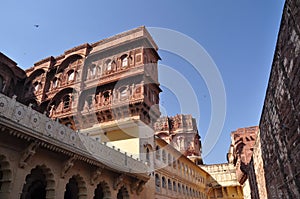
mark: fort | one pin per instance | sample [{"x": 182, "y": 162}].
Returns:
[{"x": 86, "y": 124}]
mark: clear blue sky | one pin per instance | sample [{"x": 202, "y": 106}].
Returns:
[{"x": 240, "y": 36}]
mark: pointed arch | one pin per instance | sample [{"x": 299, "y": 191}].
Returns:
[
  {"x": 57, "y": 100},
  {"x": 102, "y": 191},
  {"x": 124, "y": 60},
  {"x": 69, "y": 60},
  {"x": 34, "y": 74},
  {"x": 123, "y": 193},
  {"x": 39, "y": 184},
  {"x": 157, "y": 182},
  {"x": 75, "y": 188}
]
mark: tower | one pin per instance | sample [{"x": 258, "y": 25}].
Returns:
[
  {"x": 181, "y": 132},
  {"x": 108, "y": 89}
]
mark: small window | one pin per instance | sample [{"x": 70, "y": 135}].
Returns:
[
  {"x": 106, "y": 95},
  {"x": 108, "y": 65},
  {"x": 124, "y": 62},
  {"x": 169, "y": 184},
  {"x": 148, "y": 155},
  {"x": 66, "y": 102},
  {"x": 36, "y": 86},
  {"x": 93, "y": 70},
  {"x": 169, "y": 159},
  {"x": 157, "y": 153},
  {"x": 55, "y": 83},
  {"x": 164, "y": 183},
  {"x": 157, "y": 182},
  {"x": 174, "y": 163},
  {"x": 174, "y": 186},
  {"x": 71, "y": 76},
  {"x": 164, "y": 157}
]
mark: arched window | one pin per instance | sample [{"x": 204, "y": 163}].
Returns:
[
  {"x": 169, "y": 159},
  {"x": 157, "y": 152},
  {"x": 164, "y": 158},
  {"x": 157, "y": 182},
  {"x": 72, "y": 189},
  {"x": 66, "y": 102},
  {"x": 174, "y": 186},
  {"x": 169, "y": 184},
  {"x": 174, "y": 163},
  {"x": 108, "y": 65},
  {"x": 71, "y": 75},
  {"x": 92, "y": 71},
  {"x": 99, "y": 193},
  {"x": 37, "y": 86},
  {"x": 102, "y": 191},
  {"x": 164, "y": 183},
  {"x": 147, "y": 155},
  {"x": 124, "y": 61},
  {"x": 183, "y": 189},
  {"x": 186, "y": 190},
  {"x": 106, "y": 96},
  {"x": 36, "y": 184},
  {"x": 179, "y": 188},
  {"x": 55, "y": 82}
]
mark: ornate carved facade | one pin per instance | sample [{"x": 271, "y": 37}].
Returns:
[
  {"x": 241, "y": 150},
  {"x": 181, "y": 132},
  {"x": 90, "y": 84}
]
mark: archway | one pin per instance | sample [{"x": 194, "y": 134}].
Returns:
[
  {"x": 5, "y": 177},
  {"x": 75, "y": 188},
  {"x": 102, "y": 191},
  {"x": 123, "y": 193},
  {"x": 39, "y": 184}
]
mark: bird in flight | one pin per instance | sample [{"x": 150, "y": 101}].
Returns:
[{"x": 36, "y": 25}]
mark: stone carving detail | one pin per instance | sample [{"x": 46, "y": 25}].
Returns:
[
  {"x": 118, "y": 181},
  {"x": 181, "y": 132},
  {"x": 19, "y": 113},
  {"x": 140, "y": 187},
  {"x": 137, "y": 186},
  {"x": 134, "y": 185},
  {"x": 34, "y": 120},
  {"x": 28, "y": 153},
  {"x": 96, "y": 174},
  {"x": 3, "y": 105},
  {"x": 67, "y": 166}
]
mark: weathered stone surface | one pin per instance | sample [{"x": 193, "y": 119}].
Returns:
[{"x": 280, "y": 119}]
